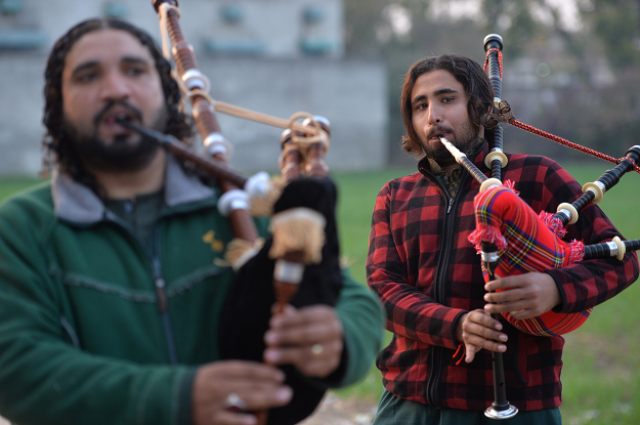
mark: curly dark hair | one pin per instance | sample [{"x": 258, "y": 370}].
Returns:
[
  {"x": 476, "y": 85},
  {"x": 58, "y": 148}
]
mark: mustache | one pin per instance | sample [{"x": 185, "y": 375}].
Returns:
[
  {"x": 438, "y": 129},
  {"x": 137, "y": 113}
]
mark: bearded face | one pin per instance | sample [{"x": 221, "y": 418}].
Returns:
[
  {"x": 439, "y": 109},
  {"x": 110, "y": 74},
  {"x": 125, "y": 151}
]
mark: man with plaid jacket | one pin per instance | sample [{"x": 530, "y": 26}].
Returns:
[{"x": 437, "y": 368}]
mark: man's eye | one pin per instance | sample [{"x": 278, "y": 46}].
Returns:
[
  {"x": 422, "y": 106},
  {"x": 134, "y": 71},
  {"x": 447, "y": 99},
  {"x": 86, "y": 77}
]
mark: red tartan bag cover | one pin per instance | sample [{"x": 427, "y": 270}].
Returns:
[{"x": 527, "y": 242}]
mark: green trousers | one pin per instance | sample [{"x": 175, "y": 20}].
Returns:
[{"x": 393, "y": 410}]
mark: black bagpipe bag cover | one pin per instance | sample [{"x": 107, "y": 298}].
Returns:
[{"x": 247, "y": 308}]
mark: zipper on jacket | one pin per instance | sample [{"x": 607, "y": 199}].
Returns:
[
  {"x": 163, "y": 307},
  {"x": 450, "y": 205},
  {"x": 161, "y": 294},
  {"x": 158, "y": 281},
  {"x": 436, "y": 353}
]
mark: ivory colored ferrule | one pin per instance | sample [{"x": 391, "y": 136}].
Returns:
[
  {"x": 572, "y": 212},
  {"x": 496, "y": 155},
  {"x": 455, "y": 152},
  {"x": 233, "y": 200},
  {"x": 489, "y": 257},
  {"x": 259, "y": 185},
  {"x": 489, "y": 183},
  {"x": 194, "y": 79},
  {"x": 288, "y": 272},
  {"x": 216, "y": 143},
  {"x": 497, "y": 101},
  {"x": 597, "y": 188},
  {"x": 622, "y": 249}
]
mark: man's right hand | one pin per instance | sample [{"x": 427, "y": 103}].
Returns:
[
  {"x": 258, "y": 385},
  {"x": 478, "y": 330}
]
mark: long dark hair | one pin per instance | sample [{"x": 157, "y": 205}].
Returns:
[
  {"x": 476, "y": 85},
  {"x": 58, "y": 149}
]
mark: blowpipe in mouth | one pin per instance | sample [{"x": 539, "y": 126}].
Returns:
[{"x": 455, "y": 152}]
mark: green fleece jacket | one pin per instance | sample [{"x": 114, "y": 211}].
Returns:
[{"x": 82, "y": 337}]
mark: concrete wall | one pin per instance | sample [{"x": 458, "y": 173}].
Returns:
[
  {"x": 279, "y": 80},
  {"x": 21, "y": 106},
  {"x": 350, "y": 93},
  {"x": 278, "y": 24}
]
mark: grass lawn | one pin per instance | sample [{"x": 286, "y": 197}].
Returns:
[
  {"x": 601, "y": 376},
  {"x": 11, "y": 185}
]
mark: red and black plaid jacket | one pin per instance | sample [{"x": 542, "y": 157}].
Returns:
[{"x": 427, "y": 275}]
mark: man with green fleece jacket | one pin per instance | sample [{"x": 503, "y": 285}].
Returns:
[{"x": 110, "y": 284}]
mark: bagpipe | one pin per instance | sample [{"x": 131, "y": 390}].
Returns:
[
  {"x": 298, "y": 263},
  {"x": 512, "y": 239}
]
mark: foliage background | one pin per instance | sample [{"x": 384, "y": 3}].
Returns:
[{"x": 571, "y": 67}]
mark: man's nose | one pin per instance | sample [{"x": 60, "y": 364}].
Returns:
[
  {"x": 434, "y": 115},
  {"x": 115, "y": 87}
]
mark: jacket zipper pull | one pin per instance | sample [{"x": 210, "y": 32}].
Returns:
[
  {"x": 162, "y": 296},
  {"x": 450, "y": 205}
]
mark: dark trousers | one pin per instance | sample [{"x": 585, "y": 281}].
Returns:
[{"x": 394, "y": 410}]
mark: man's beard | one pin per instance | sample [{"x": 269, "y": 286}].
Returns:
[
  {"x": 119, "y": 155},
  {"x": 466, "y": 140}
]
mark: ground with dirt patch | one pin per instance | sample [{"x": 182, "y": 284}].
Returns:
[
  {"x": 332, "y": 411},
  {"x": 338, "y": 411}
]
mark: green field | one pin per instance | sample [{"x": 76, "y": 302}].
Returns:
[{"x": 601, "y": 376}]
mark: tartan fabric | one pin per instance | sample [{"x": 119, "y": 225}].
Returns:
[
  {"x": 427, "y": 274},
  {"x": 525, "y": 244}
]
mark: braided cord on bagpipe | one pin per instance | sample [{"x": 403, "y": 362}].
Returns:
[
  {"x": 568, "y": 144},
  {"x": 486, "y": 60}
]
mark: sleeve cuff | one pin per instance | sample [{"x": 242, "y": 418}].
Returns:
[
  {"x": 454, "y": 327},
  {"x": 563, "y": 305},
  {"x": 185, "y": 391}
]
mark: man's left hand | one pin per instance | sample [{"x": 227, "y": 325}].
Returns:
[
  {"x": 309, "y": 338},
  {"x": 527, "y": 295}
]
